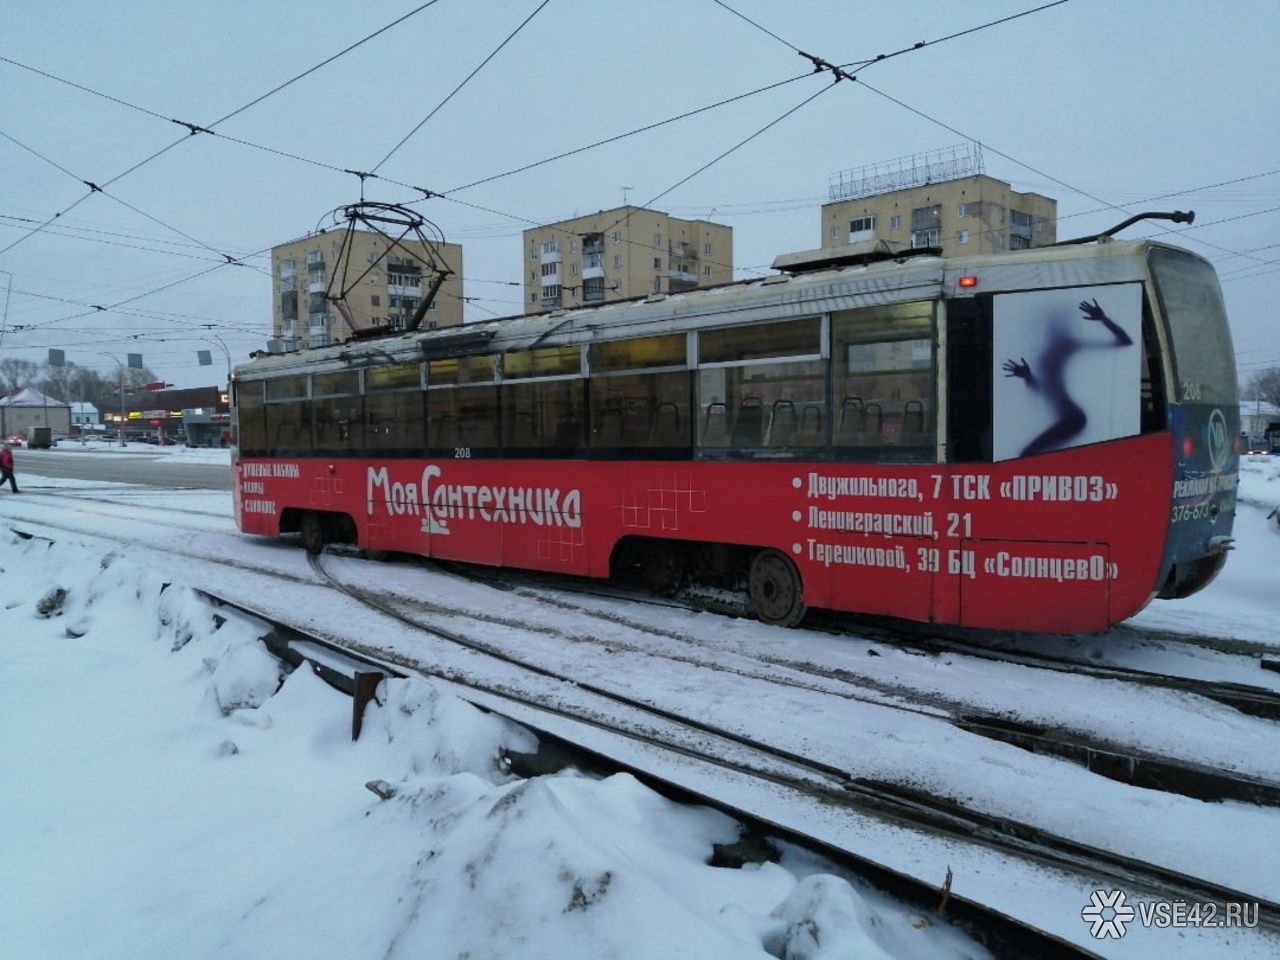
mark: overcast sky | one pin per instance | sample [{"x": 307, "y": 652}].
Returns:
[{"x": 1092, "y": 102}]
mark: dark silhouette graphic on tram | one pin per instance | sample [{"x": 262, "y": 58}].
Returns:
[{"x": 1060, "y": 346}]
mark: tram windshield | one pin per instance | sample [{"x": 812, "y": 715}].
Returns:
[{"x": 1192, "y": 302}]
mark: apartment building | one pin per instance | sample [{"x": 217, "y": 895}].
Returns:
[
  {"x": 384, "y": 287},
  {"x": 622, "y": 253},
  {"x": 939, "y": 199}
]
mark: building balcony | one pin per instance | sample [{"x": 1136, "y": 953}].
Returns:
[
  {"x": 316, "y": 286},
  {"x": 550, "y": 303},
  {"x": 682, "y": 276},
  {"x": 403, "y": 289}
]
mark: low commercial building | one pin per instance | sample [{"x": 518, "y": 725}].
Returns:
[
  {"x": 161, "y": 415},
  {"x": 30, "y": 408},
  {"x": 84, "y": 418}
]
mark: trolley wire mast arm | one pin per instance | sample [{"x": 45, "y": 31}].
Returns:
[{"x": 1177, "y": 216}]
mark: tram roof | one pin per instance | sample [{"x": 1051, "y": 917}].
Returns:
[{"x": 777, "y": 297}]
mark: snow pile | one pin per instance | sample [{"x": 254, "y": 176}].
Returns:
[{"x": 170, "y": 791}]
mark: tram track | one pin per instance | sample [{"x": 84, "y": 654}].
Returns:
[
  {"x": 63, "y": 494},
  {"x": 940, "y": 804},
  {"x": 903, "y": 805},
  {"x": 1253, "y": 700},
  {"x": 1104, "y": 757},
  {"x": 1117, "y": 761}
]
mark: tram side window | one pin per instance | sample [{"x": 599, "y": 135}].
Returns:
[
  {"x": 251, "y": 421},
  {"x": 762, "y": 390},
  {"x": 336, "y": 416},
  {"x": 462, "y": 407},
  {"x": 288, "y": 417},
  {"x": 394, "y": 411},
  {"x": 882, "y": 371},
  {"x": 542, "y": 402},
  {"x": 640, "y": 414}
]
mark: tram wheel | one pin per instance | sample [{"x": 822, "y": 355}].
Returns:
[
  {"x": 313, "y": 532},
  {"x": 775, "y": 589}
]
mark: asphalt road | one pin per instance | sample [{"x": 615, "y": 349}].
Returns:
[{"x": 154, "y": 470}]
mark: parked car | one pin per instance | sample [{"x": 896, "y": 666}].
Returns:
[{"x": 17, "y": 440}]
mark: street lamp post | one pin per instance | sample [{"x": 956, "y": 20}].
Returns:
[
  {"x": 120, "y": 423},
  {"x": 206, "y": 360}
]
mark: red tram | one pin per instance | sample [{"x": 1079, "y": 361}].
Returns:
[{"x": 1040, "y": 440}]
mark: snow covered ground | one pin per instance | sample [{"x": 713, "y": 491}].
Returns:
[
  {"x": 167, "y": 796},
  {"x": 168, "y": 800}
]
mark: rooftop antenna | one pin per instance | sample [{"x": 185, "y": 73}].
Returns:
[{"x": 625, "y": 192}]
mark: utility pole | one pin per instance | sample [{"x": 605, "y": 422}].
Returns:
[{"x": 135, "y": 360}]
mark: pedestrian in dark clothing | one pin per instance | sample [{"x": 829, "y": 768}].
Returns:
[{"x": 6, "y": 468}]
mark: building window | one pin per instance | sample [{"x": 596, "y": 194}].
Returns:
[
  {"x": 573, "y": 269},
  {"x": 617, "y": 236},
  {"x": 617, "y": 261},
  {"x": 835, "y": 233},
  {"x": 657, "y": 284},
  {"x": 895, "y": 222},
  {"x": 533, "y": 255},
  {"x": 706, "y": 249},
  {"x": 593, "y": 290},
  {"x": 925, "y": 238},
  {"x": 657, "y": 263},
  {"x": 1019, "y": 243},
  {"x": 961, "y": 210},
  {"x": 861, "y": 225},
  {"x": 376, "y": 300},
  {"x": 706, "y": 271},
  {"x": 551, "y": 295},
  {"x": 551, "y": 269},
  {"x": 551, "y": 246},
  {"x": 573, "y": 246},
  {"x": 657, "y": 240},
  {"x": 1039, "y": 224},
  {"x": 962, "y": 236}
]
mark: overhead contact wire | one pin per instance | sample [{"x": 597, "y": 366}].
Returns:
[{"x": 483, "y": 63}]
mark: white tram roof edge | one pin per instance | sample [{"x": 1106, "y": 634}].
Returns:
[{"x": 772, "y": 298}]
